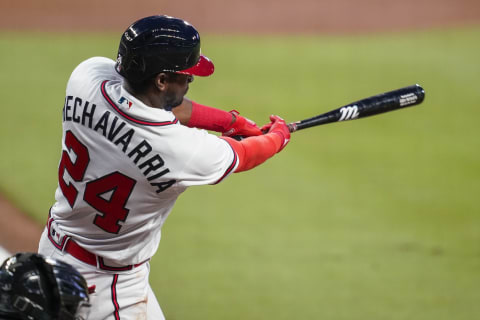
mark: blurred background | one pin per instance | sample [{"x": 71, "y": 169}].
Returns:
[{"x": 376, "y": 218}]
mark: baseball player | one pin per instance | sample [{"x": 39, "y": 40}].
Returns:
[
  {"x": 37, "y": 288},
  {"x": 132, "y": 143}
]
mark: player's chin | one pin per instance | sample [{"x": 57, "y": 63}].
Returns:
[{"x": 174, "y": 103}]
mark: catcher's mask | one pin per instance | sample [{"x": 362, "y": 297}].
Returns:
[{"x": 36, "y": 288}]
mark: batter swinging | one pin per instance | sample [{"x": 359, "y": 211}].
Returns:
[{"x": 130, "y": 146}]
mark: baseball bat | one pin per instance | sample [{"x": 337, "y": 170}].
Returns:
[{"x": 380, "y": 103}]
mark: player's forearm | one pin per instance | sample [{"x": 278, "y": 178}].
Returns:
[
  {"x": 195, "y": 115},
  {"x": 254, "y": 151},
  {"x": 228, "y": 123},
  {"x": 208, "y": 118}
]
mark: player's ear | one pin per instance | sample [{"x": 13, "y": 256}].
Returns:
[{"x": 161, "y": 81}]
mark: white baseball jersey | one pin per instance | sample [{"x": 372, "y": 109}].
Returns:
[{"x": 124, "y": 164}]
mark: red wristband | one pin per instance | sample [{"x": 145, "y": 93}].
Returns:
[{"x": 209, "y": 118}]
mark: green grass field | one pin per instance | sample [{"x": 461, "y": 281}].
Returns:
[{"x": 369, "y": 219}]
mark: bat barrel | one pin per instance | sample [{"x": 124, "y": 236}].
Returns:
[
  {"x": 388, "y": 101},
  {"x": 395, "y": 99}
]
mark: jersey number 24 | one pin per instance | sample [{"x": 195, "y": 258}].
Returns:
[{"x": 119, "y": 187}]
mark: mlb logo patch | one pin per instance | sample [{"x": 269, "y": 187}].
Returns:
[{"x": 125, "y": 101}]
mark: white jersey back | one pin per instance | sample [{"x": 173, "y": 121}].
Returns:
[{"x": 124, "y": 164}]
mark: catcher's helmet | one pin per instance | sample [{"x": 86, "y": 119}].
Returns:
[
  {"x": 37, "y": 288},
  {"x": 160, "y": 44}
]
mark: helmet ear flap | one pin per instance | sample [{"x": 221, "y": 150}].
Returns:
[
  {"x": 129, "y": 63},
  {"x": 139, "y": 64}
]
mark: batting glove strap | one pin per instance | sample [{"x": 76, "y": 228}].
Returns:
[
  {"x": 242, "y": 127},
  {"x": 280, "y": 128}
]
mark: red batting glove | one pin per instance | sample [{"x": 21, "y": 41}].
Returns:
[
  {"x": 253, "y": 151},
  {"x": 279, "y": 127},
  {"x": 241, "y": 127},
  {"x": 266, "y": 127}
]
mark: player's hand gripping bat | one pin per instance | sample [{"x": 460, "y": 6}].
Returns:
[{"x": 385, "y": 102}]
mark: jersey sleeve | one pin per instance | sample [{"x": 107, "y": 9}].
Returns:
[
  {"x": 89, "y": 73},
  {"x": 207, "y": 158}
]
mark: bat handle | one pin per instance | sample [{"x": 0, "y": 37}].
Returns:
[{"x": 292, "y": 126}]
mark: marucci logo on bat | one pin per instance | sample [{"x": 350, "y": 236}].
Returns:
[
  {"x": 380, "y": 103},
  {"x": 349, "y": 113}
]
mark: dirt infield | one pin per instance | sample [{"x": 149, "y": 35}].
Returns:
[{"x": 18, "y": 233}]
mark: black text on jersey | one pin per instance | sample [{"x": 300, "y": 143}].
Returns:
[{"x": 120, "y": 134}]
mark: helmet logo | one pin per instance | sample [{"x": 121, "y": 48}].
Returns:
[{"x": 127, "y": 36}]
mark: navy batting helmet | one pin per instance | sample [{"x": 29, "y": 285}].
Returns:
[
  {"x": 161, "y": 44},
  {"x": 38, "y": 288}
]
